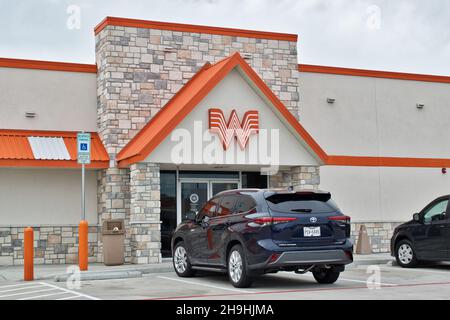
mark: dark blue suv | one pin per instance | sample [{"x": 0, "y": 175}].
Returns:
[{"x": 252, "y": 232}]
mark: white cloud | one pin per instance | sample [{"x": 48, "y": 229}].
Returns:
[{"x": 414, "y": 35}]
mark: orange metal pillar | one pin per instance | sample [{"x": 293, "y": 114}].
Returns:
[
  {"x": 28, "y": 254},
  {"x": 83, "y": 249}
]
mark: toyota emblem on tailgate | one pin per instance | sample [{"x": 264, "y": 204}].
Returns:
[{"x": 313, "y": 219}]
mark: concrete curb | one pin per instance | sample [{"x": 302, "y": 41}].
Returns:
[
  {"x": 135, "y": 271},
  {"x": 373, "y": 261},
  {"x": 132, "y": 272},
  {"x": 88, "y": 276}
]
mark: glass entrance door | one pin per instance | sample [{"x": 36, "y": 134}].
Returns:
[
  {"x": 194, "y": 195},
  {"x": 217, "y": 187}
]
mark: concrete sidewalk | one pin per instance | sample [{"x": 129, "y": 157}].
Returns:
[{"x": 98, "y": 271}]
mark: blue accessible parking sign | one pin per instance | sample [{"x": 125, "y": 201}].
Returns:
[{"x": 84, "y": 148}]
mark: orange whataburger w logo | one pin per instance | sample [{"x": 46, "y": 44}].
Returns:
[{"x": 234, "y": 128}]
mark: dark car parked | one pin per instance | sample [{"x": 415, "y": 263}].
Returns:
[
  {"x": 426, "y": 237},
  {"x": 251, "y": 232}
]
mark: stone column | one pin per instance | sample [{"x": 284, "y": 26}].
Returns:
[
  {"x": 301, "y": 177},
  {"x": 145, "y": 220},
  {"x": 114, "y": 203}
]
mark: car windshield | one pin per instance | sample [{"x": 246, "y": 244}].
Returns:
[{"x": 302, "y": 202}]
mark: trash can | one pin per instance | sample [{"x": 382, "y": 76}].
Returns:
[{"x": 113, "y": 234}]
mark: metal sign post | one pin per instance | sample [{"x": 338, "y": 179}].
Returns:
[{"x": 84, "y": 157}]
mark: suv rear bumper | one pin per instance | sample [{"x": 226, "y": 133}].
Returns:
[
  {"x": 271, "y": 257},
  {"x": 312, "y": 257},
  {"x": 301, "y": 259}
]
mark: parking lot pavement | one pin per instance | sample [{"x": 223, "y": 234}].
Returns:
[
  {"x": 37, "y": 290},
  {"x": 394, "y": 283}
]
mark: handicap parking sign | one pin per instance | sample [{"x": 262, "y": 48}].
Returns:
[{"x": 84, "y": 148}]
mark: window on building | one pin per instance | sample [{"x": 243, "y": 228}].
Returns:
[
  {"x": 168, "y": 209},
  {"x": 254, "y": 180}
]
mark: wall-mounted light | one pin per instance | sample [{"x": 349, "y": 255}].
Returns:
[
  {"x": 444, "y": 170},
  {"x": 420, "y": 105},
  {"x": 331, "y": 100},
  {"x": 30, "y": 114}
]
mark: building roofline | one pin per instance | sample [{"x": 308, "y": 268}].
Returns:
[
  {"x": 147, "y": 24},
  {"x": 372, "y": 73},
  {"x": 187, "y": 98},
  {"x": 47, "y": 65}
]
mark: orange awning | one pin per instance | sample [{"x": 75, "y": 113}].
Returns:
[{"x": 31, "y": 148}]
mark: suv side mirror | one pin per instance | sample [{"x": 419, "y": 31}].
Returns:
[{"x": 416, "y": 217}]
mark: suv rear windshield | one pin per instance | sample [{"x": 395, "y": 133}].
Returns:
[{"x": 301, "y": 202}]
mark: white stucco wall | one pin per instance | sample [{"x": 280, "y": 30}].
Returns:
[
  {"x": 234, "y": 92},
  {"x": 61, "y": 100},
  {"x": 45, "y": 197},
  {"x": 383, "y": 194},
  {"x": 376, "y": 117}
]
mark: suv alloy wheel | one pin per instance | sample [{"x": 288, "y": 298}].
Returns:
[
  {"x": 237, "y": 268},
  {"x": 181, "y": 262}
]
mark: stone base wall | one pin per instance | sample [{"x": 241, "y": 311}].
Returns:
[
  {"x": 302, "y": 177},
  {"x": 145, "y": 220},
  {"x": 380, "y": 234},
  {"x": 52, "y": 245},
  {"x": 113, "y": 197}
]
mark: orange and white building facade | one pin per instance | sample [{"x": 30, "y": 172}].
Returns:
[{"x": 180, "y": 112}]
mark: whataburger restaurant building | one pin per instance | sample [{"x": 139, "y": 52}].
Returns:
[{"x": 178, "y": 113}]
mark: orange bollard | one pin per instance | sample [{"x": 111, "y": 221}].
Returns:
[
  {"x": 83, "y": 249},
  {"x": 28, "y": 254}
]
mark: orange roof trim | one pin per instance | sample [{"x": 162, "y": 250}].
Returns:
[
  {"x": 387, "y": 162},
  {"x": 162, "y": 124},
  {"x": 47, "y": 65},
  {"x": 16, "y": 151},
  {"x": 372, "y": 73},
  {"x": 114, "y": 21}
]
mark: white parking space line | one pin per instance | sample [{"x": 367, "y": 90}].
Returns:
[
  {"x": 354, "y": 280},
  {"x": 204, "y": 285},
  {"x": 25, "y": 292},
  {"x": 21, "y": 288},
  {"x": 28, "y": 291},
  {"x": 71, "y": 291},
  {"x": 421, "y": 270},
  {"x": 68, "y": 298},
  {"x": 18, "y": 285},
  {"x": 43, "y": 296}
]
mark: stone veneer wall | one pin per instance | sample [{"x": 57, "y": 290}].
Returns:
[
  {"x": 302, "y": 177},
  {"x": 139, "y": 71},
  {"x": 380, "y": 234},
  {"x": 53, "y": 245},
  {"x": 145, "y": 221},
  {"x": 114, "y": 203}
]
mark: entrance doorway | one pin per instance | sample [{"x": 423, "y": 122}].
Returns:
[
  {"x": 186, "y": 191},
  {"x": 195, "y": 193}
]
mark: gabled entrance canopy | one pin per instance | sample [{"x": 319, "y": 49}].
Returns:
[{"x": 169, "y": 117}]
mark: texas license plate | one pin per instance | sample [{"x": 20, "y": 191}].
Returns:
[{"x": 311, "y": 231}]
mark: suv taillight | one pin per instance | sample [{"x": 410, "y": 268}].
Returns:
[
  {"x": 267, "y": 221},
  {"x": 345, "y": 223},
  {"x": 343, "y": 219}
]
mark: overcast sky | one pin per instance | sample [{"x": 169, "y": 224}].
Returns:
[{"x": 397, "y": 35}]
